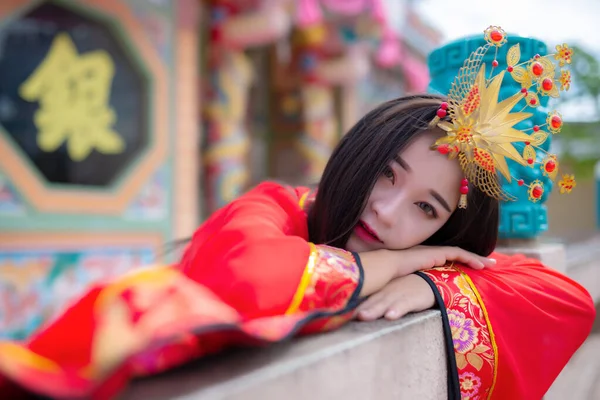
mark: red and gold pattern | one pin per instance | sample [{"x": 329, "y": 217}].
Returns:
[
  {"x": 334, "y": 275},
  {"x": 472, "y": 335},
  {"x": 482, "y": 129},
  {"x": 157, "y": 318}
]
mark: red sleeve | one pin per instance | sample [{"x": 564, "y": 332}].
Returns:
[
  {"x": 513, "y": 327},
  {"x": 254, "y": 252}
]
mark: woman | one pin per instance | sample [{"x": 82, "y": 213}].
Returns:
[{"x": 281, "y": 261}]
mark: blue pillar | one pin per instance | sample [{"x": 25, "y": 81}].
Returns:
[{"x": 519, "y": 219}]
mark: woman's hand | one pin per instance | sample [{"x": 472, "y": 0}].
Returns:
[
  {"x": 381, "y": 266},
  {"x": 419, "y": 258},
  {"x": 401, "y": 296}
]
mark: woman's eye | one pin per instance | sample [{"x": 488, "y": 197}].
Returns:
[
  {"x": 388, "y": 173},
  {"x": 427, "y": 209}
]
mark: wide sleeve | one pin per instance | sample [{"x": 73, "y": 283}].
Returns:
[
  {"x": 510, "y": 329},
  {"x": 248, "y": 277},
  {"x": 255, "y": 255}
]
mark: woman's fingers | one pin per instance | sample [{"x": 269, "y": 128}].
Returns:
[
  {"x": 373, "y": 308},
  {"x": 395, "y": 311},
  {"x": 466, "y": 257}
]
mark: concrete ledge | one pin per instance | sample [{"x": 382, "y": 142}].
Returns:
[
  {"x": 378, "y": 360},
  {"x": 550, "y": 254}
]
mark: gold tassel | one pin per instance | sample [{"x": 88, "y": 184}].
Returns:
[{"x": 462, "y": 203}]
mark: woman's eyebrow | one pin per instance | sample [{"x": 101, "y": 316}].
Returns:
[
  {"x": 440, "y": 199},
  {"x": 402, "y": 163},
  {"x": 435, "y": 194}
]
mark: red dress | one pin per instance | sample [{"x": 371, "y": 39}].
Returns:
[{"x": 249, "y": 276}]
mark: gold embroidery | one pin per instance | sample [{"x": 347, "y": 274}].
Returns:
[
  {"x": 474, "y": 346},
  {"x": 304, "y": 281},
  {"x": 303, "y": 199},
  {"x": 489, "y": 326}
]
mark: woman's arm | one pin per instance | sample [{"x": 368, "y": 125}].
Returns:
[
  {"x": 510, "y": 329},
  {"x": 255, "y": 255},
  {"x": 381, "y": 266}
]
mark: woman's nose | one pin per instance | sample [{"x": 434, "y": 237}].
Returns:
[{"x": 388, "y": 210}]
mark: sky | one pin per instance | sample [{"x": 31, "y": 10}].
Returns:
[{"x": 553, "y": 21}]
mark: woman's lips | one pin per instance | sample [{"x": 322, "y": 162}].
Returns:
[{"x": 366, "y": 233}]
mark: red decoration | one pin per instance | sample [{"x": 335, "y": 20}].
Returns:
[
  {"x": 441, "y": 113},
  {"x": 464, "y": 182},
  {"x": 444, "y": 106},
  {"x": 537, "y": 69},
  {"x": 524, "y": 91},
  {"x": 547, "y": 84},
  {"x": 527, "y": 143},
  {"x": 495, "y": 63},
  {"x": 520, "y": 182},
  {"x": 550, "y": 166},
  {"x": 537, "y": 192},
  {"x": 536, "y": 128},
  {"x": 496, "y": 36},
  {"x": 464, "y": 189},
  {"x": 556, "y": 121},
  {"x": 509, "y": 69},
  {"x": 443, "y": 149},
  {"x": 530, "y": 161},
  {"x": 533, "y": 102}
]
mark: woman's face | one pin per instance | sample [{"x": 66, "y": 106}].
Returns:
[{"x": 411, "y": 200}]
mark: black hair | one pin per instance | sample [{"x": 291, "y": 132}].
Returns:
[{"x": 361, "y": 157}]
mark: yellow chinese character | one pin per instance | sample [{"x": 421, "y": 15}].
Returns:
[{"x": 73, "y": 93}]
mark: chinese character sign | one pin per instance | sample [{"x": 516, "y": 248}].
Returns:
[{"x": 73, "y": 92}]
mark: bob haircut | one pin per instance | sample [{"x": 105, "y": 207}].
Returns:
[{"x": 361, "y": 157}]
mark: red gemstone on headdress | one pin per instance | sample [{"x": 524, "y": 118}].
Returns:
[
  {"x": 547, "y": 84},
  {"x": 537, "y": 69},
  {"x": 464, "y": 189},
  {"x": 530, "y": 161},
  {"x": 533, "y": 102},
  {"x": 524, "y": 91},
  {"x": 520, "y": 182},
  {"x": 495, "y": 63},
  {"x": 536, "y": 128},
  {"x": 537, "y": 192},
  {"x": 556, "y": 121},
  {"x": 464, "y": 182},
  {"x": 509, "y": 69},
  {"x": 536, "y": 56},
  {"x": 550, "y": 166},
  {"x": 441, "y": 113},
  {"x": 527, "y": 143},
  {"x": 443, "y": 149},
  {"x": 444, "y": 106},
  {"x": 496, "y": 35}
]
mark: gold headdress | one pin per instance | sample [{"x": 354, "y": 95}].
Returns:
[{"x": 480, "y": 129}]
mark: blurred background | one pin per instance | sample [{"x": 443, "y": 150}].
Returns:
[{"x": 124, "y": 123}]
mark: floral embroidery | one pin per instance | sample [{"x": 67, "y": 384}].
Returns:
[
  {"x": 334, "y": 278},
  {"x": 338, "y": 259},
  {"x": 464, "y": 288},
  {"x": 464, "y": 333},
  {"x": 469, "y": 383},
  {"x": 474, "y": 348}
]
